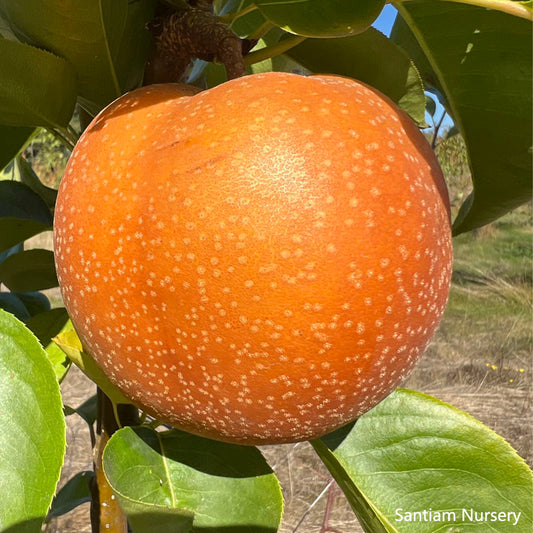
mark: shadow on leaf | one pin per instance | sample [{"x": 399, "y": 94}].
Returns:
[
  {"x": 205, "y": 455},
  {"x": 334, "y": 439},
  {"x": 28, "y": 526},
  {"x": 154, "y": 522}
]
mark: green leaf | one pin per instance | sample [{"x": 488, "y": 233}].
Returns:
[
  {"x": 5, "y": 29},
  {"x": 278, "y": 63},
  {"x": 36, "y": 88},
  {"x": 48, "y": 324},
  {"x": 24, "y": 305},
  {"x": 321, "y": 18},
  {"x": 23, "y": 214},
  {"x": 12, "y": 140},
  {"x": 515, "y": 8},
  {"x": 30, "y": 270},
  {"x": 88, "y": 33},
  {"x": 214, "y": 74},
  {"x": 414, "y": 453},
  {"x": 32, "y": 428},
  {"x": 402, "y": 35},
  {"x": 371, "y": 58},
  {"x": 157, "y": 518},
  {"x": 134, "y": 46},
  {"x": 10, "y": 251},
  {"x": 249, "y": 23},
  {"x": 11, "y": 303},
  {"x": 76, "y": 491},
  {"x": 431, "y": 106},
  {"x": 87, "y": 410},
  {"x": 35, "y": 302},
  {"x": 483, "y": 61},
  {"x": 182, "y": 478},
  {"x": 29, "y": 178},
  {"x": 60, "y": 362},
  {"x": 70, "y": 344}
]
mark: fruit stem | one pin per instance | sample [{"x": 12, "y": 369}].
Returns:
[{"x": 274, "y": 50}]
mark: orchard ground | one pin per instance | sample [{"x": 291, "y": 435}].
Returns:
[{"x": 479, "y": 361}]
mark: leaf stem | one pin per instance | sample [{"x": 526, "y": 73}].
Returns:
[
  {"x": 74, "y": 135},
  {"x": 230, "y": 18},
  {"x": 116, "y": 415},
  {"x": 274, "y": 50},
  {"x": 517, "y": 9},
  {"x": 262, "y": 30}
]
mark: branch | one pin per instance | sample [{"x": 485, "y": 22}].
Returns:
[
  {"x": 436, "y": 129},
  {"x": 274, "y": 50},
  {"x": 192, "y": 33},
  {"x": 106, "y": 514}
]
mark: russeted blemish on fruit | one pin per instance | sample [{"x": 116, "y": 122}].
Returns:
[{"x": 265, "y": 279}]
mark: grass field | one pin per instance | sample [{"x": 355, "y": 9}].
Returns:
[{"x": 487, "y": 324}]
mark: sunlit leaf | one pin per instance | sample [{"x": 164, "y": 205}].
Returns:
[
  {"x": 60, "y": 362},
  {"x": 32, "y": 429},
  {"x": 414, "y": 453},
  {"x": 70, "y": 343},
  {"x": 88, "y": 33},
  {"x": 178, "y": 479}
]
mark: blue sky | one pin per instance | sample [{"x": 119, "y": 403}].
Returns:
[{"x": 386, "y": 19}]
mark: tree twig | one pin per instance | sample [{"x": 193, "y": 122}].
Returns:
[
  {"x": 106, "y": 514},
  {"x": 188, "y": 34}
]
